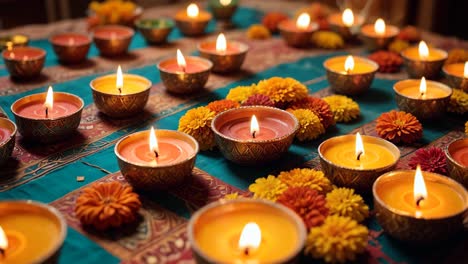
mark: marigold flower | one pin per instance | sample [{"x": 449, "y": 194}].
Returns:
[
  {"x": 272, "y": 19},
  {"x": 319, "y": 107},
  {"x": 258, "y": 99},
  {"x": 430, "y": 159},
  {"x": 306, "y": 177},
  {"x": 310, "y": 126},
  {"x": 344, "y": 202},
  {"x": 219, "y": 106},
  {"x": 258, "y": 31},
  {"x": 327, "y": 40},
  {"x": 458, "y": 102},
  {"x": 399, "y": 126},
  {"x": 344, "y": 108},
  {"x": 197, "y": 123},
  {"x": 339, "y": 239},
  {"x": 240, "y": 93},
  {"x": 282, "y": 89},
  {"x": 268, "y": 188},
  {"x": 307, "y": 203}
]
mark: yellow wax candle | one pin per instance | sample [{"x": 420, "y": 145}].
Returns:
[
  {"x": 359, "y": 65},
  {"x": 343, "y": 154},
  {"x": 218, "y": 230},
  {"x": 442, "y": 199},
  {"x": 457, "y": 69},
  {"x": 424, "y": 53},
  {"x": 132, "y": 84},
  {"x": 337, "y": 19},
  {"x": 32, "y": 235},
  {"x": 193, "y": 13},
  {"x": 422, "y": 89}
]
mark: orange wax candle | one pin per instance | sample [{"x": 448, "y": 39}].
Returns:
[
  {"x": 193, "y": 13},
  {"x": 358, "y": 65},
  {"x": 337, "y": 19},
  {"x": 33, "y": 232},
  {"x": 424, "y": 53},
  {"x": 457, "y": 69},
  {"x": 433, "y": 90},
  {"x": 397, "y": 192},
  {"x": 120, "y": 84},
  {"x": 343, "y": 153},
  {"x": 379, "y": 30},
  {"x": 216, "y": 230}
]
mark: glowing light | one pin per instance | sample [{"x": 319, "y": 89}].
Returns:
[
  {"x": 359, "y": 146},
  {"x": 348, "y": 17},
  {"x": 303, "y": 21},
  {"x": 423, "y": 50},
  {"x": 221, "y": 44},
  {"x": 379, "y": 26},
  {"x": 3, "y": 240},
  {"x": 192, "y": 10},
  {"x": 181, "y": 60},
  {"x": 254, "y": 127},
  {"x": 349, "y": 64},
  {"x": 119, "y": 79},
  {"x": 419, "y": 189},
  {"x": 250, "y": 238},
  {"x": 465, "y": 71},
  {"x": 153, "y": 143},
  {"x": 49, "y": 102},
  {"x": 423, "y": 87},
  {"x": 225, "y": 2}
]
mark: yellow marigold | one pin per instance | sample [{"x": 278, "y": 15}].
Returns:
[
  {"x": 197, "y": 123},
  {"x": 344, "y": 202},
  {"x": 398, "y": 45},
  {"x": 219, "y": 106},
  {"x": 310, "y": 126},
  {"x": 258, "y": 31},
  {"x": 344, "y": 108},
  {"x": 327, "y": 40},
  {"x": 311, "y": 178},
  {"x": 466, "y": 128},
  {"x": 268, "y": 188},
  {"x": 231, "y": 196},
  {"x": 458, "y": 102},
  {"x": 282, "y": 90},
  {"x": 240, "y": 93},
  {"x": 339, "y": 239}
]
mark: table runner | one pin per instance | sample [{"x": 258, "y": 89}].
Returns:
[{"x": 48, "y": 173}]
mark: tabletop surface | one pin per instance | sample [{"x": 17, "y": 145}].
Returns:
[{"x": 47, "y": 173}]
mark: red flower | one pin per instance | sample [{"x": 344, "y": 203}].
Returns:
[
  {"x": 430, "y": 159},
  {"x": 319, "y": 107}
]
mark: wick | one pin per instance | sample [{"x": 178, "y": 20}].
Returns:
[
  {"x": 156, "y": 154},
  {"x": 2, "y": 252},
  {"x": 419, "y": 200},
  {"x": 184, "y": 69},
  {"x": 120, "y": 90},
  {"x": 47, "y": 112},
  {"x": 246, "y": 251},
  {"x": 422, "y": 95},
  {"x": 253, "y": 134},
  {"x": 348, "y": 71},
  {"x": 359, "y": 155}
]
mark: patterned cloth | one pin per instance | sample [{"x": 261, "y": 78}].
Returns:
[{"x": 48, "y": 173}]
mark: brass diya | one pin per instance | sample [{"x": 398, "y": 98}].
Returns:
[
  {"x": 251, "y": 151},
  {"x": 120, "y": 105},
  {"x": 376, "y": 42},
  {"x": 299, "y": 38},
  {"x": 457, "y": 171},
  {"x": 151, "y": 177},
  {"x": 359, "y": 179},
  {"x": 24, "y": 68},
  {"x": 223, "y": 12},
  {"x": 224, "y": 62},
  {"x": 179, "y": 82},
  {"x": 71, "y": 52},
  {"x": 410, "y": 229},
  {"x": 114, "y": 44},
  {"x": 418, "y": 68},
  {"x": 192, "y": 26},
  {"x": 422, "y": 108},
  {"x": 47, "y": 130},
  {"x": 155, "y": 31},
  {"x": 7, "y": 146}
]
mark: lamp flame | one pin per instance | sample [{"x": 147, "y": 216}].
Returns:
[
  {"x": 348, "y": 17},
  {"x": 49, "y": 101},
  {"x": 3, "y": 241},
  {"x": 181, "y": 60},
  {"x": 419, "y": 191},
  {"x": 303, "y": 21},
  {"x": 379, "y": 26},
  {"x": 250, "y": 238},
  {"x": 349, "y": 64},
  {"x": 225, "y": 2},
  {"x": 153, "y": 143},
  {"x": 423, "y": 87},
  {"x": 192, "y": 10},
  {"x": 359, "y": 146},
  {"x": 465, "y": 71},
  {"x": 221, "y": 44},
  {"x": 254, "y": 127},
  {"x": 119, "y": 79},
  {"x": 423, "y": 50}
]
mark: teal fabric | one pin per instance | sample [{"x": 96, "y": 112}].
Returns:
[{"x": 242, "y": 19}]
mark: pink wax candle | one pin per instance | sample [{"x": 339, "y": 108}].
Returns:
[
  {"x": 291, "y": 25},
  {"x": 269, "y": 128},
  {"x": 461, "y": 155},
  {"x": 193, "y": 65},
  {"x": 24, "y": 53},
  {"x": 4, "y": 135},
  {"x": 36, "y": 110},
  {"x": 70, "y": 39}
]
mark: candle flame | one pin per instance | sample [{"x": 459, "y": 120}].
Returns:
[
  {"x": 119, "y": 79},
  {"x": 254, "y": 127},
  {"x": 419, "y": 191},
  {"x": 181, "y": 60},
  {"x": 465, "y": 72},
  {"x": 348, "y": 17},
  {"x": 303, "y": 21},
  {"x": 423, "y": 87},
  {"x": 71, "y": 41},
  {"x": 225, "y": 2},
  {"x": 349, "y": 64},
  {"x": 221, "y": 44},
  {"x": 423, "y": 50},
  {"x": 12, "y": 55},
  {"x": 9, "y": 45},
  {"x": 250, "y": 237},
  {"x": 3, "y": 240},
  {"x": 49, "y": 101},
  {"x": 153, "y": 143},
  {"x": 359, "y": 146},
  {"x": 379, "y": 26},
  {"x": 192, "y": 10}
]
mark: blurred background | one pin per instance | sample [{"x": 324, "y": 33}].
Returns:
[{"x": 446, "y": 17}]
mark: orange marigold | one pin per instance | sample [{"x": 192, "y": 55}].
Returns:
[
  {"x": 272, "y": 19},
  {"x": 106, "y": 205},
  {"x": 283, "y": 90},
  {"x": 319, "y": 107},
  {"x": 222, "y": 105},
  {"x": 258, "y": 31},
  {"x": 399, "y": 126}
]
